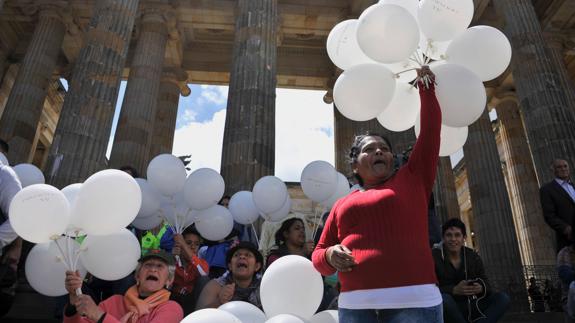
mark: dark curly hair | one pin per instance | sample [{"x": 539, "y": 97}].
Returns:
[
  {"x": 356, "y": 149},
  {"x": 286, "y": 225}
]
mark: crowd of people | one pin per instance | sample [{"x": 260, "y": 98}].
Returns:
[{"x": 375, "y": 249}]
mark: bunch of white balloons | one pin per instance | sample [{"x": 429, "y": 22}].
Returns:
[
  {"x": 100, "y": 208},
  {"x": 380, "y": 51},
  {"x": 291, "y": 291}
]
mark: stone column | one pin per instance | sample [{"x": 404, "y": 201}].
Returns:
[
  {"x": 535, "y": 236},
  {"x": 133, "y": 138},
  {"x": 542, "y": 89},
  {"x": 249, "y": 137},
  {"x": 345, "y": 131},
  {"x": 445, "y": 194},
  {"x": 82, "y": 134},
  {"x": 171, "y": 85},
  {"x": 24, "y": 107},
  {"x": 494, "y": 228}
]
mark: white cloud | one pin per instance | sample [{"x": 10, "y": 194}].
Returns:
[
  {"x": 303, "y": 123},
  {"x": 189, "y": 116},
  {"x": 203, "y": 140},
  {"x": 214, "y": 94}
]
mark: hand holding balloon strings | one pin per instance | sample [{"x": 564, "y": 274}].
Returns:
[{"x": 69, "y": 258}]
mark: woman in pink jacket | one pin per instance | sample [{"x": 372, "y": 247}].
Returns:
[{"x": 146, "y": 302}]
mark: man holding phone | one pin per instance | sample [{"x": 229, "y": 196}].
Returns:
[{"x": 462, "y": 281}]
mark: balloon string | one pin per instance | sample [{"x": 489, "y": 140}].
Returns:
[
  {"x": 62, "y": 254},
  {"x": 70, "y": 257},
  {"x": 405, "y": 71},
  {"x": 256, "y": 235},
  {"x": 323, "y": 210}
]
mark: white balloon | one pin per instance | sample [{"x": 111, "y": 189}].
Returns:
[
  {"x": 39, "y": 212},
  {"x": 362, "y": 92},
  {"x": 404, "y": 108},
  {"x": 387, "y": 33},
  {"x": 342, "y": 46},
  {"x": 71, "y": 192},
  {"x": 244, "y": 311},
  {"x": 4, "y": 160},
  {"x": 243, "y": 208},
  {"x": 107, "y": 202},
  {"x": 410, "y": 5},
  {"x": 151, "y": 198},
  {"x": 484, "y": 50},
  {"x": 330, "y": 316},
  {"x": 280, "y": 214},
  {"x": 45, "y": 267},
  {"x": 215, "y": 223},
  {"x": 452, "y": 139},
  {"x": 204, "y": 188},
  {"x": 112, "y": 256},
  {"x": 210, "y": 315},
  {"x": 285, "y": 318},
  {"x": 269, "y": 194},
  {"x": 167, "y": 174},
  {"x": 147, "y": 223},
  {"x": 460, "y": 94},
  {"x": 29, "y": 174},
  {"x": 295, "y": 299},
  {"x": 342, "y": 190},
  {"x": 442, "y": 20},
  {"x": 318, "y": 180}
]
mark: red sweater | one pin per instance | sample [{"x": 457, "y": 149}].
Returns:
[{"x": 386, "y": 227}]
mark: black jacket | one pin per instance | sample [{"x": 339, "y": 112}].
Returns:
[
  {"x": 558, "y": 210},
  {"x": 471, "y": 268}
]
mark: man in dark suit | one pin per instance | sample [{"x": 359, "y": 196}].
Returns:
[{"x": 558, "y": 203}]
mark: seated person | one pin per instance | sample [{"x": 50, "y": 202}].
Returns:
[
  {"x": 464, "y": 286},
  {"x": 191, "y": 271},
  {"x": 146, "y": 302},
  {"x": 290, "y": 240},
  {"x": 566, "y": 271},
  {"x": 240, "y": 283}
]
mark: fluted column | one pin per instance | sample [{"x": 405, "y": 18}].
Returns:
[
  {"x": 133, "y": 138},
  {"x": 542, "y": 88},
  {"x": 171, "y": 85},
  {"x": 345, "y": 131},
  {"x": 249, "y": 136},
  {"x": 24, "y": 106},
  {"x": 444, "y": 190},
  {"x": 494, "y": 228},
  {"x": 535, "y": 237},
  {"x": 82, "y": 134}
]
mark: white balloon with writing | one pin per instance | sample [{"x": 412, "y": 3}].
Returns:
[
  {"x": 342, "y": 46},
  {"x": 442, "y": 20},
  {"x": 39, "y": 213}
]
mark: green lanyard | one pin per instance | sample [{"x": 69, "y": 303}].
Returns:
[{"x": 151, "y": 241}]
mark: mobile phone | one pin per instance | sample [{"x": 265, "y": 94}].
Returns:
[{"x": 471, "y": 282}]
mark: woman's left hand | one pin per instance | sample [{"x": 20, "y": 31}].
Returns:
[{"x": 85, "y": 305}]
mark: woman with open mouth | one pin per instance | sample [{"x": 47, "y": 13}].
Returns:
[
  {"x": 240, "y": 283},
  {"x": 146, "y": 302},
  {"x": 376, "y": 238}
]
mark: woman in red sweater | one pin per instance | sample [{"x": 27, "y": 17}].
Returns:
[{"x": 377, "y": 238}]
